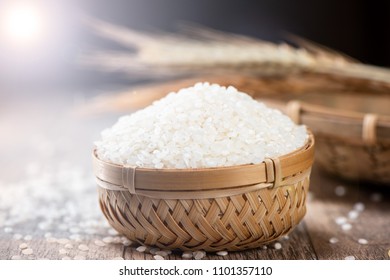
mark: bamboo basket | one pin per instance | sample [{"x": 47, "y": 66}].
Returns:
[
  {"x": 228, "y": 208},
  {"x": 352, "y": 132}
]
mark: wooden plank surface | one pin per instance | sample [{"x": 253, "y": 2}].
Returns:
[
  {"x": 371, "y": 224},
  {"x": 49, "y": 198}
]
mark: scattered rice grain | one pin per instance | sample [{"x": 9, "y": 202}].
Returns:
[
  {"x": 359, "y": 206},
  {"x": 99, "y": 243},
  {"x": 127, "y": 242},
  {"x": 198, "y": 255},
  {"x": 187, "y": 255},
  {"x": 363, "y": 241},
  {"x": 68, "y": 246},
  {"x": 350, "y": 258},
  {"x": 353, "y": 214},
  {"x": 79, "y": 257},
  {"x": 341, "y": 220},
  {"x": 117, "y": 240},
  {"x": 66, "y": 258},
  {"x": 333, "y": 240},
  {"x": 118, "y": 258},
  {"x": 16, "y": 257},
  {"x": 222, "y": 253},
  {"x": 28, "y": 251},
  {"x": 108, "y": 239},
  {"x": 83, "y": 247},
  {"x": 23, "y": 246},
  {"x": 141, "y": 249},
  {"x": 346, "y": 227},
  {"x": 277, "y": 246},
  {"x": 158, "y": 257}
]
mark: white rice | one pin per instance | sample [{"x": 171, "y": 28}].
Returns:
[{"x": 201, "y": 126}]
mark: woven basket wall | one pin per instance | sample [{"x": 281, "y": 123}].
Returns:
[
  {"x": 234, "y": 223},
  {"x": 354, "y": 162},
  {"x": 211, "y": 217},
  {"x": 349, "y": 144}
]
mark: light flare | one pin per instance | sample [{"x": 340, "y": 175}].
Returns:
[{"x": 22, "y": 23}]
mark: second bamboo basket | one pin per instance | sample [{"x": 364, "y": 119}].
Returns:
[{"x": 351, "y": 143}]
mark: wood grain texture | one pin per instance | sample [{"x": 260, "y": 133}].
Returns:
[
  {"x": 372, "y": 224},
  {"x": 55, "y": 251}
]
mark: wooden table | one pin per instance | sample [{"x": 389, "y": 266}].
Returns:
[{"x": 49, "y": 207}]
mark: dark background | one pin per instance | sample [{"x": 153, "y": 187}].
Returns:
[{"x": 360, "y": 29}]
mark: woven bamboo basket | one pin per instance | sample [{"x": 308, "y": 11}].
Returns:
[
  {"x": 228, "y": 208},
  {"x": 352, "y": 132}
]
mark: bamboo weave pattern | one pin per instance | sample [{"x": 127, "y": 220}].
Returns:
[{"x": 233, "y": 223}]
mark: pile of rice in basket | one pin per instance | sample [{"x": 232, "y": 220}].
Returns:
[{"x": 206, "y": 125}]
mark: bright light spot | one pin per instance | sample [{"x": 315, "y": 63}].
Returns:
[{"x": 22, "y": 22}]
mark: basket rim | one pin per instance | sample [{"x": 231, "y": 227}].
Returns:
[
  {"x": 327, "y": 111},
  {"x": 269, "y": 173},
  {"x": 364, "y": 128}
]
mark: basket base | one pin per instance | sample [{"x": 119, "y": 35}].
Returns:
[{"x": 232, "y": 223}]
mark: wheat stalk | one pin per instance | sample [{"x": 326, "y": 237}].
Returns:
[
  {"x": 200, "y": 52},
  {"x": 202, "y": 49}
]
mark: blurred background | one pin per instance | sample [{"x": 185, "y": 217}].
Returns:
[{"x": 42, "y": 41}]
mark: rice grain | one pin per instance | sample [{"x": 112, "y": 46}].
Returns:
[{"x": 198, "y": 127}]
